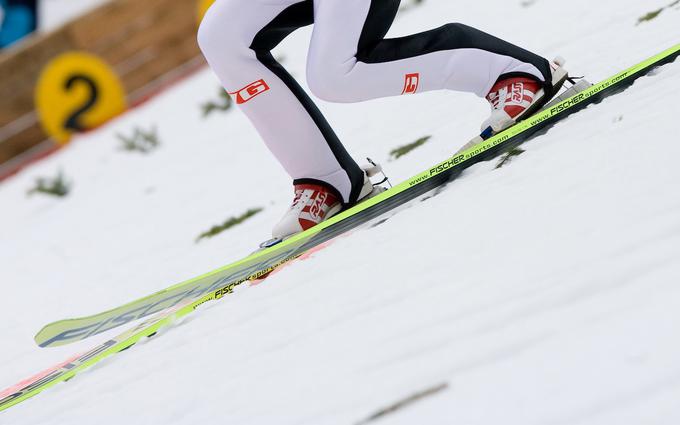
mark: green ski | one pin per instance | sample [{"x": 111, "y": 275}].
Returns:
[
  {"x": 183, "y": 299},
  {"x": 216, "y": 284}
]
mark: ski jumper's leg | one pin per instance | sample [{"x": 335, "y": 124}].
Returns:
[
  {"x": 350, "y": 61},
  {"x": 236, "y": 37}
]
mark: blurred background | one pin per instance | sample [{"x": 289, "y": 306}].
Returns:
[
  {"x": 159, "y": 48},
  {"x": 23, "y": 17}
]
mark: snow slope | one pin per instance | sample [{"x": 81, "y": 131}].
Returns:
[{"x": 544, "y": 292}]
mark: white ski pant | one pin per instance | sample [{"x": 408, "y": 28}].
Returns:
[{"x": 349, "y": 61}]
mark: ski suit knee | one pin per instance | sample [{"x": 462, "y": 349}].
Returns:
[{"x": 349, "y": 60}]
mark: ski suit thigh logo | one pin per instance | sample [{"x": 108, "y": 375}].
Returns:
[
  {"x": 411, "y": 83},
  {"x": 250, "y": 91}
]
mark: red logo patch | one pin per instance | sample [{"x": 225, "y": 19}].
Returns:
[
  {"x": 411, "y": 83},
  {"x": 250, "y": 91},
  {"x": 517, "y": 94},
  {"x": 316, "y": 209}
]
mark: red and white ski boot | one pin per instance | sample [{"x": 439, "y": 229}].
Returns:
[
  {"x": 517, "y": 98},
  {"x": 312, "y": 204},
  {"x": 315, "y": 203}
]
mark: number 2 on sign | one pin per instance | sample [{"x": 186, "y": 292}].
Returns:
[
  {"x": 76, "y": 92},
  {"x": 73, "y": 121}
]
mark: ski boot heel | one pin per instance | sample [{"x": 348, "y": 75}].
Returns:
[
  {"x": 373, "y": 169},
  {"x": 576, "y": 86}
]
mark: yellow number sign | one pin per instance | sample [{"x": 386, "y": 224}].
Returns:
[{"x": 76, "y": 92}]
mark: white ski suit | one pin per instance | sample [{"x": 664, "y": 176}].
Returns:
[{"x": 349, "y": 61}]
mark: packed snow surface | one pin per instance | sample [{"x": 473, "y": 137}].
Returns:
[{"x": 544, "y": 292}]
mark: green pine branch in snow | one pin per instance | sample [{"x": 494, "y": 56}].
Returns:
[
  {"x": 505, "y": 159},
  {"x": 405, "y": 403},
  {"x": 222, "y": 104},
  {"x": 228, "y": 224},
  {"x": 403, "y": 150},
  {"x": 655, "y": 13},
  {"x": 143, "y": 141},
  {"x": 56, "y": 186}
]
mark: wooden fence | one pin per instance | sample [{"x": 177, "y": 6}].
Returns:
[{"x": 145, "y": 42}]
